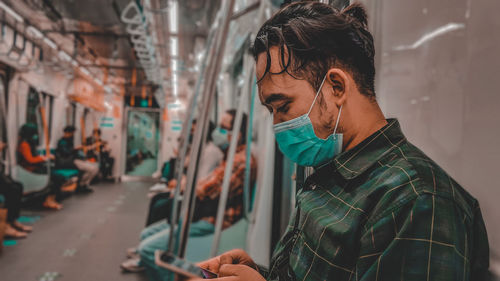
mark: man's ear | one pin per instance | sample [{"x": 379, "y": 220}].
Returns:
[{"x": 338, "y": 80}]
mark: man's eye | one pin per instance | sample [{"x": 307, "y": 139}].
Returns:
[
  {"x": 270, "y": 109},
  {"x": 283, "y": 108}
]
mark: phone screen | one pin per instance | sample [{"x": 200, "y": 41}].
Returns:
[
  {"x": 182, "y": 267},
  {"x": 208, "y": 274}
]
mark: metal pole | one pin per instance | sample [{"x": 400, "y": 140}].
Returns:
[
  {"x": 248, "y": 173},
  {"x": 192, "y": 171},
  {"x": 179, "y": 167},
  {"x": 229, "y": 167}
]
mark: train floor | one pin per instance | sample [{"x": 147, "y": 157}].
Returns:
[{"x": 84, "y": 241}]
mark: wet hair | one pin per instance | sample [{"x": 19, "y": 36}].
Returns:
[
  {"x": 313, "y": 37},
  {"x": 243, "y": 128}
]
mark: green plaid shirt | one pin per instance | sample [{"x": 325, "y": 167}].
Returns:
[{"x": 383, "y": 211}]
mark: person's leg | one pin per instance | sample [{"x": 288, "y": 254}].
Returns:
[
  {"x": 90, "y": 170},
  {"x": 13, "y": 193},
  {"x": 153, "y": 229},
  {"x": 147, "y": 249},
  {"x": 158, "y": 241},
  {"x": 160, "y": 208}
]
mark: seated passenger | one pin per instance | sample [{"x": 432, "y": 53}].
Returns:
[
  {"x": 67, "y": 157},
  {"x": 28, "y": 159},
  {"x": 12, "y": 191},
  {"x": 106, "y": 162},
  {"x": 155, "y": 236},
  {"x": 161, "y": 203}
]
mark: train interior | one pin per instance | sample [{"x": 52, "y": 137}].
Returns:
[{"x": 142, "y": 85}]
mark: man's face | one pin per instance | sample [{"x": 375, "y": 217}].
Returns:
[
  {"x": 225, "y": 123},
  {"x": 69, "y": 135},
  {"x": 288, "y": 98}
]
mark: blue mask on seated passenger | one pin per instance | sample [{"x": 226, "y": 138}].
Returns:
[
  {"x": 297, "y": 140},
  {"x": 220, "y": 138}
]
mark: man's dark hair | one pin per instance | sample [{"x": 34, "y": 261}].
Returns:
[
  {"x": 97, "y": 131},
  {"x": 243, "y": 128},
  {"x": 312, "y": 37},
  {"x": 69, "y": 129}
]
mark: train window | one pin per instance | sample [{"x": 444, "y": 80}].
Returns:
[
  {"x": 71, "y": 114},
  {"x": 33, "y": 110}
]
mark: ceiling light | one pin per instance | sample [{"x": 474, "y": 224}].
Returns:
[
  {"x": 172, "y": 17},
  {"x": 11, "y": 12},
  {"x": 37, "y": 33},
  {"x": 84, "y": 71},
  {"x": 74, "y": 63},
  {"x": 49, "y": 42},
  {"x": 174, "y": 46},
  {"x": 63, "y": 56}
]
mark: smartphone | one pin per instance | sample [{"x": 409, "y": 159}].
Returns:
[{"x": 181, "y": 266}]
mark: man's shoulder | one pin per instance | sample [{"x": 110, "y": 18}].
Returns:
[{"x": 407, "y": 166}]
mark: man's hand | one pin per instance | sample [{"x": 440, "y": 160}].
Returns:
[
  {"x": 236, "y": 272},
  {"x": 233, "y": 257}
]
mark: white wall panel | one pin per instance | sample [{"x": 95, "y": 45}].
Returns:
[{"x": 438, "y": 68}]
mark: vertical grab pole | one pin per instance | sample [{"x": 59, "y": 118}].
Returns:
[
  {"x": 229, "y": 164},
  {"x": 184, "y": 143},
  {"x": 45, "y": 129},
  {"x": 189, "y": 194},
  {"x": 246, "y": 185},
  {"x": 3, "y": 113}
]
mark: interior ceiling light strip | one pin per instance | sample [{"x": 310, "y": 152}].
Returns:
[{"x": 11, "y": 12}]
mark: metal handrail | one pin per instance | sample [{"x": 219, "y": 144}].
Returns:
[
  {"x": 196, "y": 148},
  {"x": 229, "y": 163},
  {"x": 179, "y": 167}
]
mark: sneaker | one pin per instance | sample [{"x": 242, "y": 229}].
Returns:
[
  {"x": 84, "y": 189},
  {"x": 159, "y": 187},
  {"x": 132, "y": 265},
  {"x": 132, "y": 253}
]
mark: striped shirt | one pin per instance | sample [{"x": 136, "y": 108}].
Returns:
[{"x": 382, "y": 211}]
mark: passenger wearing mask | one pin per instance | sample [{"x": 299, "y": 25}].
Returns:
[
  {"x": 207, "y": 191},
  {"x": 161, "y": 203},
  {"x": 28, "y": 159},
  {"x": 12, "y": 191},
  {"x": 376, "y": 207},
  {"x": 68, "y": 157},
  {"x": 106, "y": 162}
]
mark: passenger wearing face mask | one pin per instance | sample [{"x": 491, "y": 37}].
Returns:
[
  {"x": 26, "y": 151},
  {"x": 376, "y": 207},
  {"x": 207, "y": 192},
  {"x": 29, "y": 159}
]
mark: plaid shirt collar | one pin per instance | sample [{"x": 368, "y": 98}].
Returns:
[{"x": 352, "y": 163}]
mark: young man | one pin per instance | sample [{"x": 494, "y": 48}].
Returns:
[
  {"x": 376, "y": 207},
  {"x": 67, "y": 157}
]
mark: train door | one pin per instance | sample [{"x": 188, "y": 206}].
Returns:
[{"x": 142, "y": 130}]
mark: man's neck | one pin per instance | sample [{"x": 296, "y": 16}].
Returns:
[{"x": 364, "y": 125}]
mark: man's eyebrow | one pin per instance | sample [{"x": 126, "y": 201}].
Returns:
[{"x": 275, "y": 97}]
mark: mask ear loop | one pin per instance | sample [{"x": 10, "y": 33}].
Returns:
[
  {"x": 338, "y": 119},
  {"x": 317, "y": 94}
]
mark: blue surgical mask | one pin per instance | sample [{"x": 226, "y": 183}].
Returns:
[
  {"x": 220, "y": 138},
  {"x": 297, "y": 140}
]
